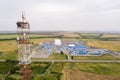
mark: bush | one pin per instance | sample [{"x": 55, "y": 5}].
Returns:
[{"x": 61, "y": 53}]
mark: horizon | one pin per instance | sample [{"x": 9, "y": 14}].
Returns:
[{"x": 39, "y": 31}]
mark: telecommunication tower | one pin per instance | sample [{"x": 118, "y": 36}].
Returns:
[{"x": 24, "y": 50}]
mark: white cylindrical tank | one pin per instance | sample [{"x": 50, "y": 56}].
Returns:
[{"x": 58, "y": 42}]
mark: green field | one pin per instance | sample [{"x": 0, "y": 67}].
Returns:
[
  {"x": 53, "y": 56},
  {"x": 103, "y": 57},
  {"x": 14, "y": 36},
  {"x": 110, "y": 45},
  {"x": 56, "y": 72},
  {"x": 57, "y": 56},
  {"x": 8, "y": 51}
]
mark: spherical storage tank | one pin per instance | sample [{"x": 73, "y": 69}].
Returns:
[{"x": 58, "y": 42}]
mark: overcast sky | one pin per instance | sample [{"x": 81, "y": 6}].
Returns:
[{"x": 62, "y": 15}]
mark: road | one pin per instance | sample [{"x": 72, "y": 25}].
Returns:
[
  {"x": 47, "y": 70},
  {"x": 75, "y": 60},
  {"x": 71, "y": 60},
  {"x": 2, "y": 60}
]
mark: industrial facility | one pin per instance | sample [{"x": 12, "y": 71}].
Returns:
[{"x": 74, "y": 48}]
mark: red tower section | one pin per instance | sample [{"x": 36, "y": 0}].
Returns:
[{"x": 23, "y": 30}]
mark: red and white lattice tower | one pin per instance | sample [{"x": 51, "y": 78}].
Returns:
[
  {"x": 23, "y": 30},
  {"x": 24, "y": 50}
]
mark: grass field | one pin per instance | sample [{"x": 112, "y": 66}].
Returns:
[
  {"x": 53, "y": 56},
  {"x": 110, "y": 35},
  {"x": 111, "y": 45},
  {"x": 58, "y": 70},
  {"x": 13, "y": 36},
  {"x": 8, "y": 45},
  {"x": 103, "y": 57},
  {"x": 90, "y": 34},
  {"x": 70, "y": 34},
  {"x": 80, "y": 75},
  {"x": 6, "y": 36},
  {"x": 8, "y": 50},
  {"x": 99, "y": 69},
  {"x": 57, "y": 56}
]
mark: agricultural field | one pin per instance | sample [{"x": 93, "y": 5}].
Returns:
[
  {"x": 102, "y": 57},
  {"x": 86, "y": 76},
  {"x": 111, "y": 45},
  {"x": 69, "y": 34},
  {"x": 110, "y": 35},
  {"x": 8, "y": 46},
  {"x": 8, "y": 49},
  {"x": 90, "y": 35},
  {"x": 14, "y": 36},
  {"x": 63, "y": 71}
]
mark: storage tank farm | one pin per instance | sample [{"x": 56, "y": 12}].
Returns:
[{"x": 24, "y": 51}]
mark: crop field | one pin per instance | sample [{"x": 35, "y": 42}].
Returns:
[
  {"x": 8, "y": 49},
  {"x": 111, "y": 45},
  {"x": 8, "y": 46}
]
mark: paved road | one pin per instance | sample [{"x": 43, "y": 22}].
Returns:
[
  {"x": 75, "y": 60},
  {"x": 72, "y": 60}
]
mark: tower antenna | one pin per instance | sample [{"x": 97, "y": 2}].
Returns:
[{"x": 23, "y": 16}]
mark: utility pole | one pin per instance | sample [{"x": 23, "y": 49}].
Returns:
[{"x": 24, "y": 47}]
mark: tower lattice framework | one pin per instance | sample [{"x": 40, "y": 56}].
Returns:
[
  {"x": 23, "y": 31},
  {"x": 24, "y": 50}
]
